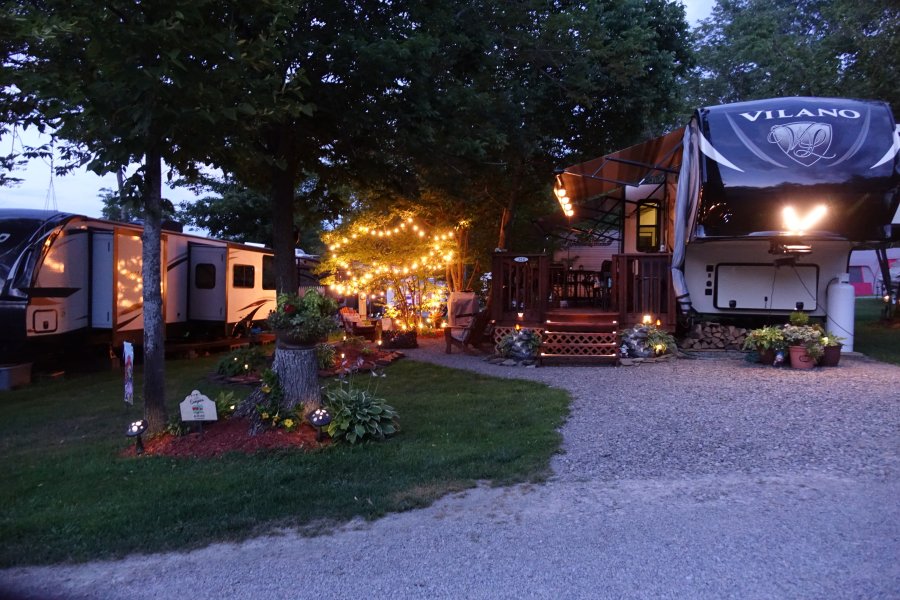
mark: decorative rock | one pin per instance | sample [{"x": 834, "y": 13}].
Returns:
[{"x": 509, "y": 362}]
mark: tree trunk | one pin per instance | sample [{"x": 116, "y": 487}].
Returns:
[
  {"x": 505, "y": 220},
  {"x": 298, "y": 373},
  {"x": 283, "y": 241},
  {"x": 154, "y": 327}
]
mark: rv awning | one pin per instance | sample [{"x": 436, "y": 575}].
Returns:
[
  {"x": 631, "y": 166},
  {"x": 597, "y": 188}
]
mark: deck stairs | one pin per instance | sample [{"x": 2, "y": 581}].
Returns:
[{"x": 579, "y": 336}]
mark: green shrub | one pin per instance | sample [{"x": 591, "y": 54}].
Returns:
[
  {"x": 325, "y": 354},
  {"x": 357, "y": 414},
  {"x": 357, "y": 342},
  {"x": 798, "y": 318},
  {"x": 225, "y": 404},
  {"x": 242, "y": 361}
]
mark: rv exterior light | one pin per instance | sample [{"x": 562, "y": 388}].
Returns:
[
  {"x": 560, "y": 192},
  {"x": 795, "y": 224}
]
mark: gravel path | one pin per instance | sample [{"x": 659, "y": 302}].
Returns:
[{"x": 688, "y": 479}]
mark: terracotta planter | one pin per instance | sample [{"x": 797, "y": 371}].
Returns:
[
  {"x": 831, "y": 356},
  {"x": 800, "y": 359}
]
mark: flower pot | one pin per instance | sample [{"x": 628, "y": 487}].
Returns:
[
  {"x": 287, "y": 341},
  {"x": 831, "y": 355},
  {"x": 767, "y": 356},
  {"x": 800, "y": 359}
]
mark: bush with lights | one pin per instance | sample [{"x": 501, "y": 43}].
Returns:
[{"x": 392, "y": 256}]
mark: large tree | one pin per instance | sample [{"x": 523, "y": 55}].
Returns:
[
  {"x": 750, "y": 49},
  {"x": 509, "y": 91},
  {"x": 123, "y": 83}
]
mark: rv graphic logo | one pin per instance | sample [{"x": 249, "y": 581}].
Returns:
[{"x": 805, "y": 142}]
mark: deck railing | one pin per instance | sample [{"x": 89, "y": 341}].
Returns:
[
  {"x": 643, "y": 285},
  {"x": 528, "y": 285},
  {"x": 520, "y": 285}
]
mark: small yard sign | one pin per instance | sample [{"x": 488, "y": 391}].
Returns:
[{"x": 197, "y": 407}]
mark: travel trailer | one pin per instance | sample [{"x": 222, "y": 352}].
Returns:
[
  {"x": 72, "y": 280},
  {"x": 748, "y": 213}
]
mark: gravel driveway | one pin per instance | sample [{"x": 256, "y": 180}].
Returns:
[{"x": 688, "y": 479}]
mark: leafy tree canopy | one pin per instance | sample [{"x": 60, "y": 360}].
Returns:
[{"x": 750, "y": 49}]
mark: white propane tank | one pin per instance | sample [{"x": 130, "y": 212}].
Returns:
[{"x": 841, "y": 308}]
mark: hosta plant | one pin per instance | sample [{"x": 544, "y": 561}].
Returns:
[{"x": 357, "y": 414}]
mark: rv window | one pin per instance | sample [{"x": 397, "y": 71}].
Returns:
[
  {"x": 648, "y": 227},
  {"x": 268, "y": 281},
  {"x": 244, "y": 276},
  {"x": 205, "y": 276}
]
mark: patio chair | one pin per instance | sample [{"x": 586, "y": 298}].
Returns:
[
  {"x": 468, "y": 328},
  {"x": 356, "y": 326}
]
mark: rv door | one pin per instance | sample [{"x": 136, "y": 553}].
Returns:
[{"x": 206, "y": 293}]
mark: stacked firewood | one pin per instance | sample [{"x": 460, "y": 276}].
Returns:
[{"x": 713, "y": 336}]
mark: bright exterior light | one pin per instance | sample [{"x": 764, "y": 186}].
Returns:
[
  {"x": 560, "y": 192},
  {"x": 794, "y": 223},
  {"x": 647, "y": 319}
]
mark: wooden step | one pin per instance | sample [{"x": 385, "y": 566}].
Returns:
[
  {"x": 556, "y": 326},
  {"x": 571, "y": 315}
]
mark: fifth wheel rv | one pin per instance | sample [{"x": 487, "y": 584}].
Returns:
[
  {"x": 757, "y": 204},
  {"x": 75, "y": 281}
]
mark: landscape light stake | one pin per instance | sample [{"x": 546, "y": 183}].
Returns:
[{"x": 135, "y": 430}]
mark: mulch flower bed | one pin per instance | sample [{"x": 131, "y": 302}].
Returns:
[{"x": 230, "y": 435}]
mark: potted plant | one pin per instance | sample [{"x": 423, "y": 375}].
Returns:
[
  {"x": 303, "y": 321},
  {"x": 804, "y": 344},
  {"x": 765, "y": 341},
  {"x": 831, "y": 349}
]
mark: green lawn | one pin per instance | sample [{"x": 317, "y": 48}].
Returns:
[
  {"x": 67, "y": 495},
  {"x": 874, "y": 337}
]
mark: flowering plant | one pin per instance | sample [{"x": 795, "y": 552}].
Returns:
[
  {"x": 801, "y": 335},
  {"x": 269, "y": 408},
  {"x": 809, "y": 336},
  {"x": 307, "y": 319}
]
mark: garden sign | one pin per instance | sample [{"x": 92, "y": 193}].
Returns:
[{"x": 197, "y": 407}]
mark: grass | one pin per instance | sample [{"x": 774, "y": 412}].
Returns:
[
  {"x": 67, "y": 495},
  {"x": 874, "y": 337}
]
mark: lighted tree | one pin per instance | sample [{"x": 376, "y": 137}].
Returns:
[{"x": 396, "y": 256}]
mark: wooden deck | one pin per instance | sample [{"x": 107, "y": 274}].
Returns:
[{"x": 579, "y": 313}]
